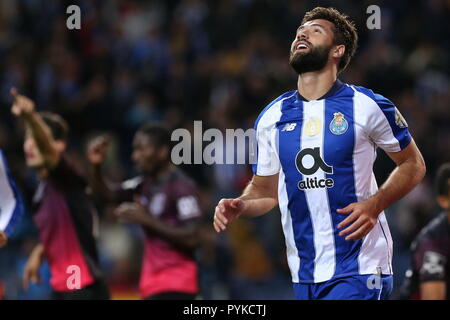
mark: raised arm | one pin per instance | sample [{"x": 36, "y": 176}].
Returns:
[
  {"x": 96, "y": 154},
  {"x": 259, "y": 197},
  {"x": 23, "y": 108}
]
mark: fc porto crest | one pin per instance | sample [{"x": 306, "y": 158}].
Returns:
[{"x": 339, "y": 124}]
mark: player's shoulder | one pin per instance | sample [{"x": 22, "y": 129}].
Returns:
[
  {"x": 132, "y": 183},
  {"x": 436, "y": 229},
  {"x": 180, "y": 183},
  {"x": 370, "y": 95},
  {"x": 437, "y": 226},
  {"x": 182, "y": 190},
  {"x": 269, "y": 114}
]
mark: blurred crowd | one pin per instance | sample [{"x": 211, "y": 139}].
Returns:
[{"x": 222, "y": 61}]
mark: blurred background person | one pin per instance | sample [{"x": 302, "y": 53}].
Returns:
[
  {"x": 164, "y": 201},
  {"x": 429, "y": 275},
  {"x": 63, "y": 211}
]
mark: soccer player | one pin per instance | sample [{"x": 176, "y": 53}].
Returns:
[
  {"x": 164, "y": 202},
  {"x": 429, "y": 275},
  {"x": 11, "y": 205},
  {"x": 63, "y": 213},
  {"x": 316, "y": 146}
]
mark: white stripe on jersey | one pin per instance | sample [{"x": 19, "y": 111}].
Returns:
[
  {"x": 376, "y": 249},
  {"x": 317, "y": 199},
  {"x": 8, "y": 201},
  {"x": 293, "y": 258}
]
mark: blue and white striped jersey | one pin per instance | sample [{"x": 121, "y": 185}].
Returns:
[
  {"x": 323, "y": 151},
  {"x": 11, "y": 205}
]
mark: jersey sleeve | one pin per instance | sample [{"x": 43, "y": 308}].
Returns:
[
  {"x": 128, "y": 189},
  {"x": 387, "y": 127},
  {"x": 11, "y": 204},
  {"x": 430, "y": 261},
  {"x": 266, "y": 162},
  {"x": 187, "y": 202}
]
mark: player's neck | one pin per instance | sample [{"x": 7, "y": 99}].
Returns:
[
  {"x": 42, "y": 172},
  {"x": 313, "y": 85},
  {"x": 161, "y": 173}
]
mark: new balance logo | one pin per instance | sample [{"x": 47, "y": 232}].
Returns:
[{"x": 289, "y": 127}]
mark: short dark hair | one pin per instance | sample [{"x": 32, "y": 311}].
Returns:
[
  {"x": 58, "y": 126},
  {"x": 344, "y": 31},
  {"x": 158, "y": 133},
  {"x": 443, "y": 180}
]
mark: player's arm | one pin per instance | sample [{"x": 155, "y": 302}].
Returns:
[
  {"x": 183, "y": 237},
  {"x": 23, "y": 108},
  {"x": 363, "y": 215},
  {"x": 258, "y": 198},
  {"x": 433, "y": 290},
  {"x": 96, "y": 154},
  {"x": 31, "y": 270},
  {"x": 406, "y": 176}
]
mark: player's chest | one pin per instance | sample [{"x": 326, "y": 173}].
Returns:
[
  {"x": 316, "y": 128},
  {"x": 157, "y": 202}
]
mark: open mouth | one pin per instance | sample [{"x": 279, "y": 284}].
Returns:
[
  {"x": 29, "y": 155},
  {"x": 301, "y": 46}
]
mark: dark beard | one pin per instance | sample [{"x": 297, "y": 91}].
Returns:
[{"x": 314, "y": 60}]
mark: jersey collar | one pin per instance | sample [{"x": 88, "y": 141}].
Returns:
[{"x": 336, "y": 86}]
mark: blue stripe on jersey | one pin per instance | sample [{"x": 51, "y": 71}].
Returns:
[
  {"x": 338, "y": 153},
  {"x": 289, "y": 146},
  {"x": 388, "y": 108},
  {"x": 284, "y": 95},
  {"x": 19, "y": 208}
]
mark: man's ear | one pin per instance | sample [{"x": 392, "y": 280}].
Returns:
[
  {"x": 443, "y": 201},
  {"x": 338, "y": 51}
]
